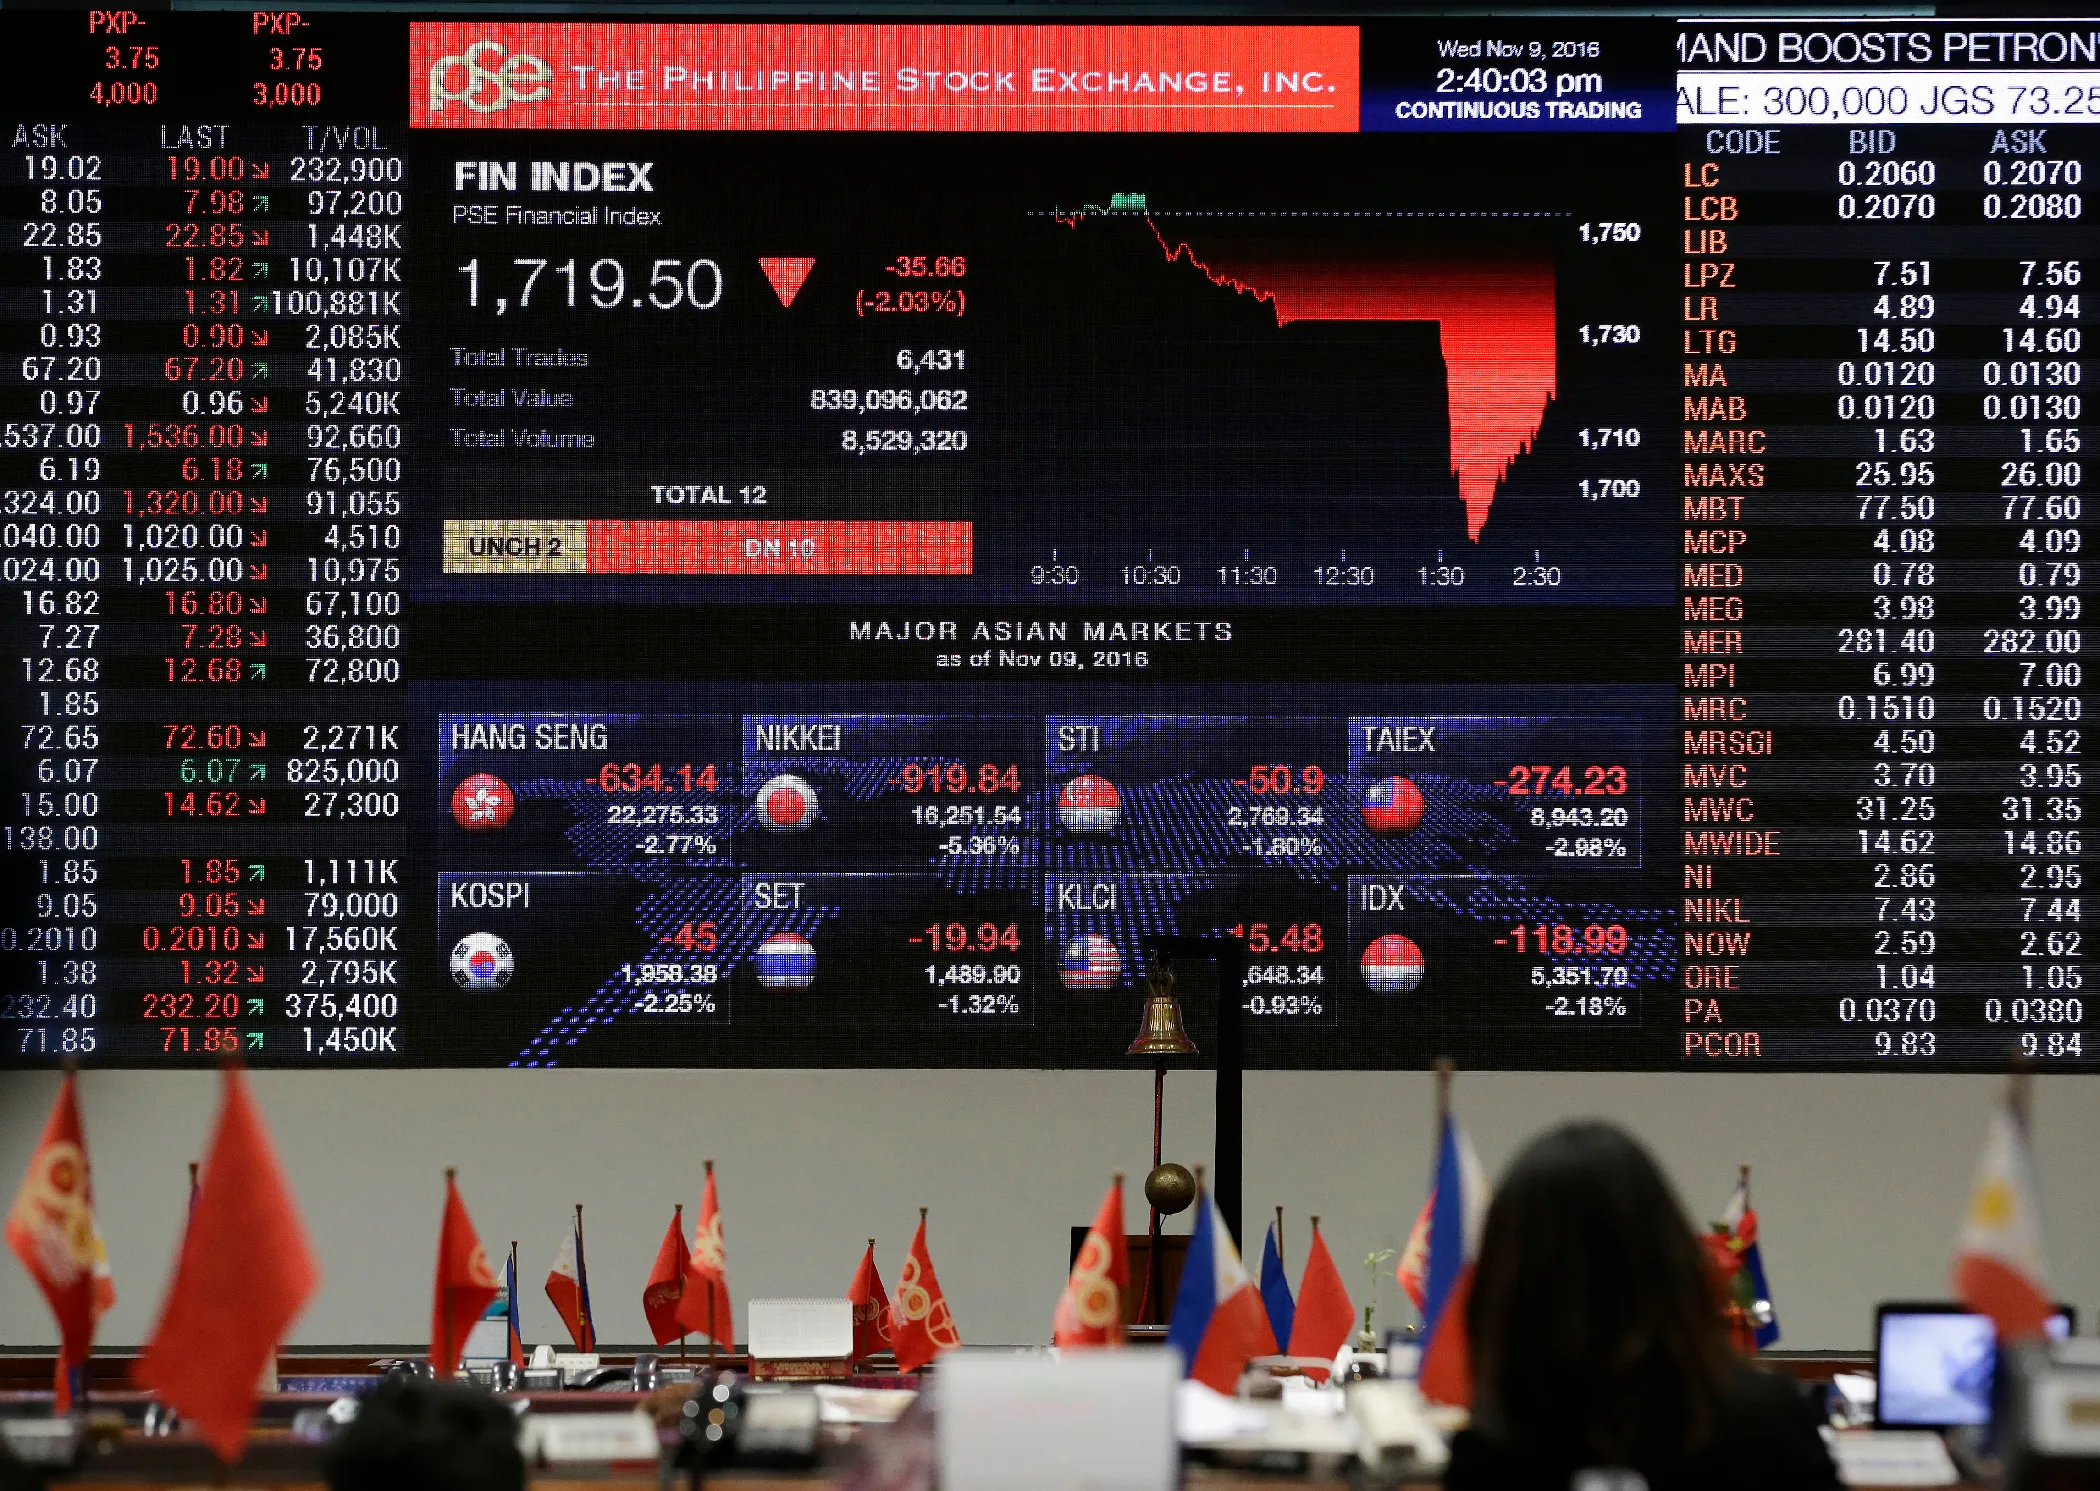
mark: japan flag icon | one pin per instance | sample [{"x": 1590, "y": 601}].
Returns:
[{"x": 787, "y": 804}]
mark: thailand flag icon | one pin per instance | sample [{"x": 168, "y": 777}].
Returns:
[
  {"x": 787, "y": 804},
  {"x": 1090, "y": 962},
  {"x": 482, "y": 960},
  {"x": 1392, "y": 805},
  {"x": 1393, "y": 965},
  {"x": 786, "y": 961},
  {"x": 1090, "y": 805},
  {"x": 483, "y": 803}
]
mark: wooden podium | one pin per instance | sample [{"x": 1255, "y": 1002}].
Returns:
[{"x": 1173, "y": 1252}]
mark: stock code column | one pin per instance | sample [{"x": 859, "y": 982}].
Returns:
[
  {"x": 1884, "y": 249},
  {"x": 200, "y": 390}
]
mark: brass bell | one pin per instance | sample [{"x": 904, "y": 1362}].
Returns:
[{"x": 1160, "y": 1032}]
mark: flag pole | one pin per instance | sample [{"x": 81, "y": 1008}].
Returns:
[
  {"x": 1445, "y": 1067},
  {"x": 510, "y": 1290},
  {"x": 583, "y": 1290},
  {"x": 678, "y": 1226},
  {"x": 2019, "y": 1096},
  {"x": 83, "y": 1374},
  {"x": 1155, "y": 1275},
  {"x": 712, "y": 1292},
  {"x": 445, "y": 1315},
  {"x": 1279, "y": 1237},
  {"x": 1745, "y": 1179}
]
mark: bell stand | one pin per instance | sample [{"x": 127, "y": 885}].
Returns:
[{"x": 1229, "y": 954}]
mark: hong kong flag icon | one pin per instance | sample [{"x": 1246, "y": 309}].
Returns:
[{"x": 787, "y": 276}]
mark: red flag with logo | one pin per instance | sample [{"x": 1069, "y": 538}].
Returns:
[
  {"x": 1090, "y": 1311},
  {"x": 1321, "y": 1326},
  {"x": 871, "y": 1308},
  {"x": 666, "y": 1286},
  {"x": 465, "y": 1284},
  {"x": 920, "y": 1326},
  {"x": 705, "y": 1307},
  {"x": 52, "y": 1230},
  {"x": 245, "y": 1272}
]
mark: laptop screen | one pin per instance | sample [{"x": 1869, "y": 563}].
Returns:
[{"x": 1937, "y": 1367}]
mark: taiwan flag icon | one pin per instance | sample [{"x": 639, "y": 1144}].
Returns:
[
  {"x": 787, "y": 804},
  {"x": 786, "y": 960},
  {"x": 1393, "y": 805}
]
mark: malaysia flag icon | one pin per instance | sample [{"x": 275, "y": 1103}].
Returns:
[
  {"x": 1393, "y": 805},
  {"x": 787, "y": 804},
  {"x": 1090, "y": 805},
  {"x": 483, "y": 803},
  {"x": 1393, "y": 964},
  {"x": 786, "y": 960},
  {"x": 1090, "y": 962}
]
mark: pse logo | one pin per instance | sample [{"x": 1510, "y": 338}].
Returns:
[{"x": 488, "y": 87}]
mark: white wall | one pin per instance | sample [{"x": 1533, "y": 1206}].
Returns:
[{"x": 1859, "y": 1179}]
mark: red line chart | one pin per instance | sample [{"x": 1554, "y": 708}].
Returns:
[{"x": 1495, "y": 318}]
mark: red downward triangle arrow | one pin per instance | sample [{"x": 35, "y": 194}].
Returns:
[{"x": 787, "y": 276}]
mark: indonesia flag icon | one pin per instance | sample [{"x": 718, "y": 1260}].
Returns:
[
  {"x": 1392, "y": 805},
  {"x": 786, "y": 961},
  {"x": 787, "y": 804},
  {"x": 1090, "y": 962},
  {"x": 1090, "y": 805},
  {"x": 1393, "y": 965}
]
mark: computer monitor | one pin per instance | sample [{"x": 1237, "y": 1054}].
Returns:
[{"x": 1938, "y": 1364}]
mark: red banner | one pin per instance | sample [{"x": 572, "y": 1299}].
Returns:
[
  {"x": 686, "y": 546},
  {"x": 566, "y": 75}
]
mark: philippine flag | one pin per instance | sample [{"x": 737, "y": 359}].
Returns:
[
  {"x": 1393, "y": 964},
  {"x": 1458, "y": 1208},
  {"x": 786, "y": 960},
  {"x": 1090, "y": 805},
  {"x": 787, "y": 804},
  {"x": 1392, "y": 805},
  {"x": 569, "y": 1289},
  {"x": 1998, "y": 1265},
  {"x": 1090, "y": 962},
  {"x": 1219, "y": 1319},
  {"x": 515, "y": 1335}
]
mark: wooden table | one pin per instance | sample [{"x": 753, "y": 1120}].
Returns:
[{"x": 276, "y": 1460}]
